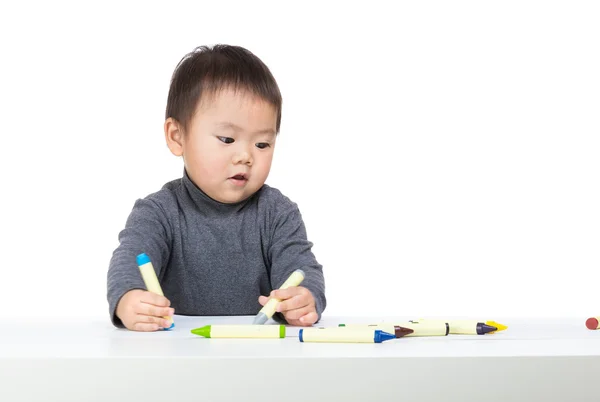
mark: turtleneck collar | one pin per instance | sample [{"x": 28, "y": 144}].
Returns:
[{"x": 207, "y": 204}]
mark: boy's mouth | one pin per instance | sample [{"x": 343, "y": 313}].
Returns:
[
  {"x": 240, "y": 176},
  {"x": 239, "y": 179}
]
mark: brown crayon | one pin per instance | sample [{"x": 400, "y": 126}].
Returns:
[{"x": 398, "y": 331}]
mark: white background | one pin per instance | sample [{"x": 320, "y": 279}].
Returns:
[{"x": 445, "y": 155}]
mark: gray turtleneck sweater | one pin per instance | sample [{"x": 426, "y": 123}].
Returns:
[{"x": 213, "y": 258}]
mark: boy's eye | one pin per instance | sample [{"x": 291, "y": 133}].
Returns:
[
  {"x": 262, "y": 145},
  {"x": 226, "y": 140}
]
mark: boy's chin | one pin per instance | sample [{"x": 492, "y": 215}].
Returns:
[
  {"x": 235, "y": 198},
  {"x": 229, "y": 195}
]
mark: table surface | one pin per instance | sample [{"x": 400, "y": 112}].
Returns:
[{"x": 99, "y": 339}]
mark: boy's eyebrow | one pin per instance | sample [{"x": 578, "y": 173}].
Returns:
[{"x": 228, "y": 125}]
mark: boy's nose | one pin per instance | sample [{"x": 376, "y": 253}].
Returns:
[{"x": 242, "y": 157}]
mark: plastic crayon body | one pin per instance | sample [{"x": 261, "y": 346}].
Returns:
[
  {"x": 241, "y": 331},
  {"x": 344, "y": 335},
  {"x": 467, "y": 327},
  {"x": 150, "y": 279},
  {"x": 269, "y": 308},
  {"x": 593, "y": 323},
  {"x": 434, "y": 328},
  {"x": 397, "y": 330}
]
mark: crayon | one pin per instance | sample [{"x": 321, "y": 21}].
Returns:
[
  {"x": 467, "y": 327},
  {"x": 500, "y": 327},
  {"x": 269, "y": 308},
  {"x": 397, "y": 330},
  {"x": 436, "y": 328},
  {"x": 150, "y": 279},
  {"x": 240, "y": 331},
  {"x": 344, "y": 335},
  {"x": 593, "y": 323}
]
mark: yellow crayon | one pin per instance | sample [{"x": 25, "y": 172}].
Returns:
[
  {"x": 150, "y": 279},
  {"x": 500, "y": 327},
  {"x": 471, "y": 327}
]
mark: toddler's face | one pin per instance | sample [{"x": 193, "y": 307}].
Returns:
[{"x": 228, "y": 148}]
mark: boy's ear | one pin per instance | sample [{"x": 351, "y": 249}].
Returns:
[{"x": 174, "y": 136}]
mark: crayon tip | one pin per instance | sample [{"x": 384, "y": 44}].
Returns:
[
  {"x": 382, "y": 336},
  {"x": 142, "y": 259},
  {"x": 203, "y": 331},
  {"x": 401, "y": 331},
  {"x": 500, "y": 327},
  {"x": 592, "y": 323},
  {"x": 260, "y": 319},
  {"x": 483, "y": 329}
]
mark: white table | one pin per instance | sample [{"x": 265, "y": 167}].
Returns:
[{"x": 534, "y": 360}]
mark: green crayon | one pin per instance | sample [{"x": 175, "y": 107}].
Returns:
[{"x": 240, "y": 331}]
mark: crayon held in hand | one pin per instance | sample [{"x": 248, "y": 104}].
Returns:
[
  {"x": 150, "y": 279},
  {"x": 269, "y": 308}
]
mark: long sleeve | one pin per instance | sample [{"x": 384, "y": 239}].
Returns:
[
  {"x": 146, "y": 231},
  {"x": 290, "y": 250}
]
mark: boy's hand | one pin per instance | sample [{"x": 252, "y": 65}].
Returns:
[
  {"x": 297, "y": 305},
  {"x": 141, "y": 310}
]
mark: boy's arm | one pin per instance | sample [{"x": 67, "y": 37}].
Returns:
[
  {"x": 146, "y": 231},
  {"x": 290, "y": 250}
]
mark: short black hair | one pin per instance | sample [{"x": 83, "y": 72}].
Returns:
[{"x": 207, "y": 70}]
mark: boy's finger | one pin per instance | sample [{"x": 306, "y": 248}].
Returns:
[
  {"x": 153, "y": 298},
  {"x": 148, "y": 319},
  {"x": 296, "y": 314},
  {"x": 150, "y": 309},
  {"x": 287, "y": 293},
  {"x": 295, "y": 302},
  {"x": 309, "y": 318},
  {"x": 263, "y": 300},
  {"x": 145, "y": 327}
]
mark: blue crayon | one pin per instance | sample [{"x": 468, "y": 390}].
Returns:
[
  {"x": 344, "y": 335},
  {"x": 150, "y": 279}
]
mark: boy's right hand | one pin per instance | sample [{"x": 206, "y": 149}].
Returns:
[{"x": 140, "y": 310}]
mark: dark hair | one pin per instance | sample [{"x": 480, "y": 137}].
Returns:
[{"x": 206, "y": 70}]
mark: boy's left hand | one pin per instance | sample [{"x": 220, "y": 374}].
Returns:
[{"x": 297, "y": 305}]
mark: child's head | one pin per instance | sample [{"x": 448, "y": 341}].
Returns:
[{"x": 223, "y": 115}]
